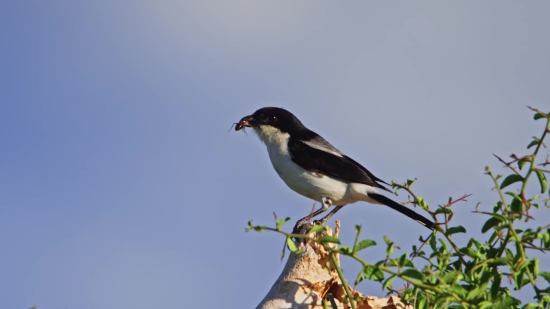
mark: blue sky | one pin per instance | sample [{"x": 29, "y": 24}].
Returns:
[{"x": 120, "y": 186}]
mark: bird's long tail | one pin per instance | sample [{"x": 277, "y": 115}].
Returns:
[{"x": 402, "y": 209}]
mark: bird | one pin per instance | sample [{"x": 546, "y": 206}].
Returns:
[{"x": 312, "y": 167}]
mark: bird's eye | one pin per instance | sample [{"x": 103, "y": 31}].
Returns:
[{"x": 271, "y": 119}]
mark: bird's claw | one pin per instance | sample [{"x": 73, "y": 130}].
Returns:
[
  {"x": 299, "y": 228},
  {"x": 319, "y": 222}
]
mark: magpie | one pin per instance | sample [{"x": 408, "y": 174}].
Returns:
[{"x": 312, "y": 167}]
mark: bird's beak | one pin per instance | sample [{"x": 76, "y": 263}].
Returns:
[{"x": 247, "y": 121}]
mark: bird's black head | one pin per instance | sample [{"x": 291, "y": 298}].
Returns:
[{"x": 276, "y": 117}]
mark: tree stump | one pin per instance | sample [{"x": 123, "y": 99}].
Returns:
[{"x": 305, "y": 281}]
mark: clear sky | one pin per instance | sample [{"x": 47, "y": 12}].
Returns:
[{"x": 120, "y": 186}]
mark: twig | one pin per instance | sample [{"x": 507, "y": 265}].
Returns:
[
  {"x": 509, "y": 165},
  {"x": 342, "y": 279}
]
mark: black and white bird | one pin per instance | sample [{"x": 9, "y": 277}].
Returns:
[{"x": 312, "y": 167}]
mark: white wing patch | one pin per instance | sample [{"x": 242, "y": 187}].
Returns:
[{"x": 320, "y": 144}]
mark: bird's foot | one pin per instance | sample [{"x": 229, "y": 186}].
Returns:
[
  {"x": 299, "y": 228},
  {"x": 320, "y": 222},
  {"x": 303, "y": 228}
]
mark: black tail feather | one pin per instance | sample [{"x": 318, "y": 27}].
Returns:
[{"x": 402, "y": 209}]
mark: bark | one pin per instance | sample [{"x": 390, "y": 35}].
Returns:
[{"x": 305, "y": 281}]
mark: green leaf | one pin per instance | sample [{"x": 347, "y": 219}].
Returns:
[
  {"x": 485, "y": 276},
  {"x": 506, "y": 303},
  {"x": 412, "y": 273},
  {"x": 451, "y": 276},
  {"x": 433, "y": 243},
  {"x": 455, "y": 229},
  {"x": 534, "y": 142},
  {"x": 389, "y": 250},
  {"x": 443, "y": 210},
  {"x": 498, "y": 262},
  {"x": 372, "y": 272},
  {"x": 330, "y": 239},
  {"x": 422, "y": 303},
  {"x": 538, "y": 116},
  {"x": 292, "y": 246},
  {"x": 249, "y": 226},
  {"x": 281, "y": 222},
  {"x": 514, "y": 195},
  {"x": 422, "y": 203},
  {"x": 395, "y": 262},
  {"x": 387, "y": 283},
  {"x": 513, "y": 178},
  {"x": 485, "y": 304},
  {"x": 545, "y": 238},
  {"x": 456, "y": 265},
  {"x": 545, "y": 275},
  {"x": 489, "y": 224},
  {"x": 530, "y": 306},
  {"x": 408, "y": 263},
  {"x": 509, "y": 254},
  {"x": 345, "y": 250},
  {"x": 519, "y": 279},
  {"x": 536, "y": 267},
  {"x": 402, "y": 260},
  {"x": 475, "y": 293},
  {"x": 497, "y": 206},
  {"x": 516, "y": 205},
  {"x": 316, "y": 228},
  {"x": 358, "y": 229},
  {"x": 392, "y": 262},
  {"x": 495, "y": 287},
  {"x": 359, "y": 277},
  {"x": 542, "y": 180},
  {"x": 469, "y": 252},
  {"x": 363, "y": 244},
  {"x": 492, "y": 252},
  {"x": 521, "y": 163},
  {"x": 443, "y": 245},
  {"x": 458, "y": 290},
  {"x": 386, "y": 240}
]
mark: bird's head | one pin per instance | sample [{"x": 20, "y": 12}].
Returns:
[
  {"x": 272, "y": 124},
  {"x": 269, "y": 118}
]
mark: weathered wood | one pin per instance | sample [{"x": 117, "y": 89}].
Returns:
[{"x": 305, "y": 281}]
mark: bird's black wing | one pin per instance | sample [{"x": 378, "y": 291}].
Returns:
[
  {"x": 319, "y": 156},
  {"x": 367, "y": 171}
]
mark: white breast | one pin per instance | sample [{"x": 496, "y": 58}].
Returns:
[{"x": 309, "y": 184}]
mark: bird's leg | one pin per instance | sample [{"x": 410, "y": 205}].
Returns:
[
  {"x": 325, "y": 205},
  {"x": 328, "y": 216}
]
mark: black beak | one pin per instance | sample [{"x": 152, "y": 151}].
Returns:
[{"x": 247, "y": 121}]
